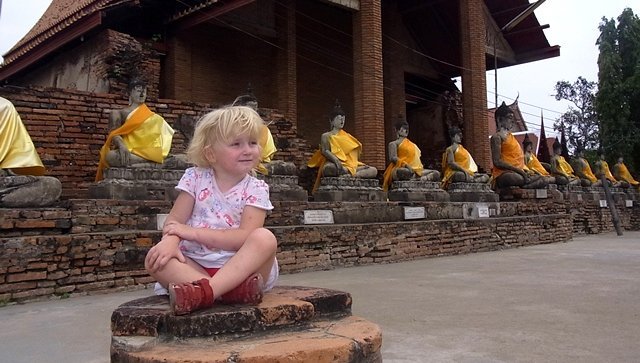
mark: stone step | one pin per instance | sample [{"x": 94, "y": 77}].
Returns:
[
  {"x": 283, "y": 306},
  {"x": 292, "y": 324}
]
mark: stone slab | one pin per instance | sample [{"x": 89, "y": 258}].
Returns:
[
  {"x": 349, "y": 196},
  {"x": 288, "y": 305},
  {"x": 472, "y": 192}
]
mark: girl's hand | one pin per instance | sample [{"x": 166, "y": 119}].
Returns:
[
  {"x": 180, "y": 230},
  {"x": 161, "y": 253}
]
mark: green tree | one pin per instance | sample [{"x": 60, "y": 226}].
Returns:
[
  {"x": 580, "y": 122},
  {"x": 618, "y": 98}
]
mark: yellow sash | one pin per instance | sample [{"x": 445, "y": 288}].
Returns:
[
  {"x": 463, "y": 158},
  {"x": 511, "y": 153},
  {"x": 535, "y": 165},
  {"x": 17, "y": 151},
  {"x": 564, "y": 167},
  {"x": 607, "y": 172},
  {"x": 268, "y": 148},
  {"x": 408, "y": 155},
  {"x": 145, "y": 134},
  {"x": 345, "y": 147},
  {"x": 625, "y": 175},
  {"x": 587, "y": 171}
]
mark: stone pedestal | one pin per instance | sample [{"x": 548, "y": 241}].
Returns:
[
  {"x": 515, "y": 193},
  {"x": 292, "y": 324},
  {"x": 349, "y": 189},
  {"x": 471, "y": 192},
  {"x": 137, "y": 184},
  {"x": 417, "y": 190},
  {"x": 573, "y": 193},
  {"x": 284, "y": 188}
]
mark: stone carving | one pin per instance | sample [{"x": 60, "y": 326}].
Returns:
[
  {"x": 532, "y": 162},
  {"x": 602, "y": 168},
  {"x": 458, "y": 164},
  {"x": 22, "y": 183},
  {"x": 582, "y": 169},
  {"x": 339, "y": 153},
  {"x": 622, "y": 173},
  {"x": 509, "y": 169},
  {"x": 142, "y": 138},
  {"x": 561, "y": 169},
  {"x": 404, "y": 159}
]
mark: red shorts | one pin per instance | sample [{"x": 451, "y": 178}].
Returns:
[{"x": 211, "y": 270}]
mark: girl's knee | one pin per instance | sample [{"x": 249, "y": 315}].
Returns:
[{"x": 264, "y": 238}]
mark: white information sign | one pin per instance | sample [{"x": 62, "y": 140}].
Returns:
[
  {"x": 318, "y": 216},
  {"x": 541, "y": 193},
  {"x": 603, "y": 203},
  {"x": 414, "y": 213},
  {"x": 483, "y": 211},
  {"x": 629, "y": 203},
  {"x": 160, "y": 218}
]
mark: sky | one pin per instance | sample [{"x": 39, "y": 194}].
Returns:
[{"x": 573, "y": 26}]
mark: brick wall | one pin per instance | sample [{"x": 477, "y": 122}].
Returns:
[
  {"x": 100, "y": 244},
  {"x": 69, "y": 127}
]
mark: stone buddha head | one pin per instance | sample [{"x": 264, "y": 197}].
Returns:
[
  {"x": 137, "y": 90},
  {"x": 527, "y": 145},
  {"x": 504, "y": 117},
  {"x": 455, "y": 134},
  {"x": 337, "y": 116}
]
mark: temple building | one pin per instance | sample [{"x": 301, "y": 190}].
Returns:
[{"x": 380, "y": 58}]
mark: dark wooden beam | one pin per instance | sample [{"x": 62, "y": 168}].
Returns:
[{"x": 212, "y": 12}]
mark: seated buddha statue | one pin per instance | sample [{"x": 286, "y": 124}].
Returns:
[
  {"x": 509, "y": 169},
  {"x": 621, "y": 172},
  {"x": 22, "y": 180},
  {"x": 268, "y": 148},
  {"x": 339, "y": 152},
  {"x": 404, "y": 158},
  {"x": 139, "y": 138},
  {"x": 561, "y": 169},
  {"x": 582, "y": 169},
  {"x": 532, "y": 162},
  {"x": 458, "y": 164},
  {"x": 602, "y": 169}
]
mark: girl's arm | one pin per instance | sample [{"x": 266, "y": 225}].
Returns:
[
  {"x": 230, "y": 239},
  {"x": 167, "y": 248}
]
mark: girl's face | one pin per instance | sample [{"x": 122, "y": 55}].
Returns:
[{"x": 236, "y": 157}]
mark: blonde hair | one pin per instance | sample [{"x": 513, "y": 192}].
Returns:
[{"x": 221, "y": 126}]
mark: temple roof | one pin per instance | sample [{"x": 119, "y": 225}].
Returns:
[
  {"x": 519, "y": 123},
  {"x": 433, "y": 24}
]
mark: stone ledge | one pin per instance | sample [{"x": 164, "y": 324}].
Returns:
[
  {"x": 350, "y": 339},
  {"x": 283, "y": 306}
]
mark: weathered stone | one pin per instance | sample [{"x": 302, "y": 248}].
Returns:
[
  {"x": 285, "y": 327},
  {"x": 284, "y": 187},
  {"x": 22, "y": 191},
  {"x": 472, "y": 192}
]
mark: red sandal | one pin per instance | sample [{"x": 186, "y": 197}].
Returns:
[
  {"x": 187, "y": 297},
  {"x": 248, "y": 292}
]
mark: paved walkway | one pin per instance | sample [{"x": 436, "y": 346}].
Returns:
[{"x": 570, "y": 302}]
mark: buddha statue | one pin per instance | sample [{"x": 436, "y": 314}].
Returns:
[
  {"x": 267, "y": 166},
  {"x": 582, "y": 169},
  {"x": 141, "y": 138},
  {"x": 404, "y": 159},
  {"x": 621, "y": 172},
  {"x": 532, "y": 162},
  {"x": 561, "y": 169},
  {"x": 458, "y": 164},
  {"x": 22, "y": 180},
  {"x": 602, "y": 169},
  {"x": 339, "y": 152},
  {"x": 509, "y": 169}
]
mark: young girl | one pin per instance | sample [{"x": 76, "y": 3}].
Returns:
[{"x": 214, "y": 246}]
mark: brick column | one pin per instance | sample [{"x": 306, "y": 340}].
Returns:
[
  {"x": 178, "y": 78},
  {"x": 474, "y": 88},
  {"x": 287, "y": 66},
  {"x": 367, "y": 82}
]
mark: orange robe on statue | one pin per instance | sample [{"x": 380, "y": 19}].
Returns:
[
  {"x": 587, "y": 171},
  {"x": 463, "y": 158},
  {"x": 626, "y": 175},
  {"x": 146, "y": 135},
  {"x": 511, "y": 153},
  {"x": 408, "y": 155},
  {"x": 345, "y": 147},
  {"x": 535, "y": 165}
]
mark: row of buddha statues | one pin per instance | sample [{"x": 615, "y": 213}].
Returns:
[{"x": 140, "y": 138}]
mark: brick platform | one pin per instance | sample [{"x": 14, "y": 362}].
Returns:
[{"x": 292, "y": 324}]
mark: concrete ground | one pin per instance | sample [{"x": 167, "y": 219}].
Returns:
[{"x": 571, "y": 302}]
